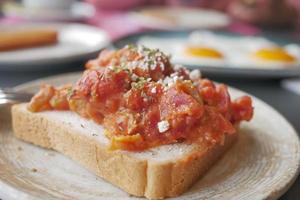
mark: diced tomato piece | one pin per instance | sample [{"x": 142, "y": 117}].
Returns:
[
  {"x": 135, "y": 101},
  {"x": 59, "y": 101},
  {"x": 41, "y": 100},
  {"x": 242, "y": 109}
]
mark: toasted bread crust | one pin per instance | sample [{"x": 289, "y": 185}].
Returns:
[{"x": 139, "y": 177}]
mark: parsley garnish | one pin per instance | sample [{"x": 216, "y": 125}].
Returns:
[{"x": 139, "y": 84}]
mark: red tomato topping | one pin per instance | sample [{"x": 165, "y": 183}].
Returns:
[
  {"x": 143, "y": 102},
  {"x": 242, "y": 109}
]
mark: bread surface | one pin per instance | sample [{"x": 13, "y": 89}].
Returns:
[{"x": 160, "y": 172}]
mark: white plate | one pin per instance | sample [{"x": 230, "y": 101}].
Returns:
[
  {"x": 75, "y": 42},
  {"x": 262, "y": 165},
  {"x": 77, "y": 11},
  {"x": 178, "y": 18}
]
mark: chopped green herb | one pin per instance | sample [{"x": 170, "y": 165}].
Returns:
[
  {"x": 131, "y": 46},
  {"x": 139, "y": 84}
]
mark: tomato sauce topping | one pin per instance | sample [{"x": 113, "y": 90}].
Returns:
[{"x": 143, "y": 101}]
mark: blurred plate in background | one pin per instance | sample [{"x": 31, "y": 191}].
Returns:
[
  {"x": 292, "y": 85},
  {"x": 180, "y": 18},
  {"x": 168, "y": 42},
  {"x": 76, "y": 42},
  {"x": 77, "y": 11}
]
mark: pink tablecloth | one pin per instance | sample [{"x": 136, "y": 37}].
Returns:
[{"x": 118, "y": 24}]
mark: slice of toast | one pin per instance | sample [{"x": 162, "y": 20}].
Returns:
[{"x": 160, "y": 172}]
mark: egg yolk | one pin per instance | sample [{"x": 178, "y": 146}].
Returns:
[
  {"x": 203, "y": 52},
  {"x": 274, "y": 54}
]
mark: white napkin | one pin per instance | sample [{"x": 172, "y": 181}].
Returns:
[{"x": 292, "y": 85}]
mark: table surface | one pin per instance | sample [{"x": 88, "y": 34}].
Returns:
[{"x": 287, "y": 103}]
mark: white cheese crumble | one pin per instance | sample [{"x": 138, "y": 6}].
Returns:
[
  {"x": 134, "y": 77},
  {"x": 163, "y": 126},
  {"x": 177, "y": 67},
  {"x": 153, "y": 90},
  {"x": 195, "y": 74},
  {"x": 133, "y": 64},
  {"x": 168, "y": 81},
  {"x": 162, "y": 66},
  {"x": 110, "y": 67},
  {"x": 152, "y": 58}
]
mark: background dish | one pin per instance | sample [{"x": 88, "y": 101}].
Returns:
[
  {"x": 292, "y": 85},
  {"x": 263, "y": 164},
  {"x": 219, "y": 50},
  {"x": 176, "y": 18},
  {"x": 77, "y": 11},
  {"x": 221, "y": 68},
  {"x": 76, "y": 42}
]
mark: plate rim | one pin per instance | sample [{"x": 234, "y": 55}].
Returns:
[{"x": 275, "y": 193}]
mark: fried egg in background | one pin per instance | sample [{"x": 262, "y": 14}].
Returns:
[
  {"x": 179, "y": 51},
  {"x": 205, "y": 48}
]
